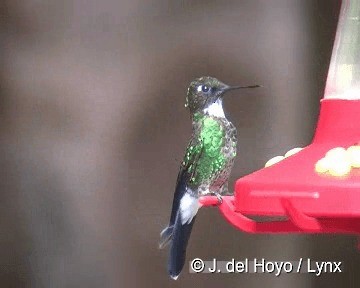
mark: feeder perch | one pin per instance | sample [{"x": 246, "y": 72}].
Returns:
[{"x": 311, "y": 201}]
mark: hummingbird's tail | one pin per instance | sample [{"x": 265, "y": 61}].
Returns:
[
  {"x": 180, "y": 236},
  {"x": 184, "y": 209}
]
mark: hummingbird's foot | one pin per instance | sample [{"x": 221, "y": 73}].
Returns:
[
  {"x": 224, "y": 190},
  {"x": 219, "y": 198}
]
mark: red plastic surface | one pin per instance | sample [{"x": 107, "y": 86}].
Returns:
[{"x": 311, "y": 202}]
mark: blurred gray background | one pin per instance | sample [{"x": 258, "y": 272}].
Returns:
[{"x": 93, "y": 128}]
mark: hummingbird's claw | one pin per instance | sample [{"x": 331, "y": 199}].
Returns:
[{"x": 219, "y": 198}]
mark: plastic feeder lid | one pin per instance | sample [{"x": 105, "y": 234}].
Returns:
[{"x": 312, "y": 202}]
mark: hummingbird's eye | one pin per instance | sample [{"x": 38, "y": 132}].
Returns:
[{"x": 203, "y": 88}]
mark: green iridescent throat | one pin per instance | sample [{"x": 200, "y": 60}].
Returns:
[{"x": 211, "y": 141}]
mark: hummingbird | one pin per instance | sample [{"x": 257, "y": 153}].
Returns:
[{"x": 206, "y": 166}]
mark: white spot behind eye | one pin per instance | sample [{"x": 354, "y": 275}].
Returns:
[{"x": 199, "y": 88}]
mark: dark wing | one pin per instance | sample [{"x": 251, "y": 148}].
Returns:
[
  {"x": 180, "y": 232},
  {"x": 185, "y": 174},
  {"x": 187, "y": 170}
]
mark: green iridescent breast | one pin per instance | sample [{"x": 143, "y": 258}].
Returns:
[{"x": 204, "y": 157}]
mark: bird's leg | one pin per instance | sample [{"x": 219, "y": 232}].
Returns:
[
  {"x": 224, "y": 190},
  {"x": 218, "y": 196},
  {"x": 204, "y": 191}
]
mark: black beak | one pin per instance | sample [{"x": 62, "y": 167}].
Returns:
[{"x": 228, "y": 88}]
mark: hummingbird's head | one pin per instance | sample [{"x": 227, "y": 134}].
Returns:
[{"x": 205, "y": 91}]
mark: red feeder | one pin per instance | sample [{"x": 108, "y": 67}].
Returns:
[{"x": 311, "y": 202}]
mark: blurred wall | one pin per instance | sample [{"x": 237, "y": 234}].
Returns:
[{"x": 93, "y": 127}]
